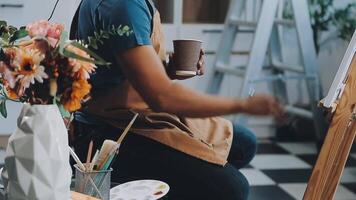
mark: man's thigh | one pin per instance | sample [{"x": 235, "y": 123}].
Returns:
[{"x": 188, "y": 177}]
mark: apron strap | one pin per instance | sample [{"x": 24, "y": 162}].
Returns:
[{"x": 151, "y": 7}]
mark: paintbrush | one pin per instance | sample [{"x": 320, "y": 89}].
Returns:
[
  {"x": 126, "y": 131},
  {"x": 91, "y": 166},
  {"x": 122, "y": 137},
  {"x": 111, "y": 156},
  {"x": 76, "y": 159},
  {"x": 105, "y": 151}
]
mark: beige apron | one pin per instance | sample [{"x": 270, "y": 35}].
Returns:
[{"x": 208, "y": 139}]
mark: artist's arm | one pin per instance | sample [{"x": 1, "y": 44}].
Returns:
[{"x": 146, "y": 73}]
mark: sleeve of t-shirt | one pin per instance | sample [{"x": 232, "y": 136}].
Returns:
[{"x": 132, "y": 13}]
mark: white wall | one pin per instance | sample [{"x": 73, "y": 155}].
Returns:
[{"x": 33, "y": 10}]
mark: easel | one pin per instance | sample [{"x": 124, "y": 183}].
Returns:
[{"x": 341, "y": 102}]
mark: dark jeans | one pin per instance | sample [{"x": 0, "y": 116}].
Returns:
[{"x": 189, "y": 178}]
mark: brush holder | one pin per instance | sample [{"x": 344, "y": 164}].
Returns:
[{"x": 94, "y": 183}]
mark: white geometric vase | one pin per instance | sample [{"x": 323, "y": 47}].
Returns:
[{"x": 37, "y": 156}]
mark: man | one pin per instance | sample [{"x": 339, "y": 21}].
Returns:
[{"x": 177, "y": 138}]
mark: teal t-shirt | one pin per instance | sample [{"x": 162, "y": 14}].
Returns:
[{"x": 96, "y": 15}]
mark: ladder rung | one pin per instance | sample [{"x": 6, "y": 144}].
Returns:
[
  {"x": 281, "y": 77},
  {"x": 284, "y": 67},
  {"x": 230, "y": 71},
  {"x": 285, "y": 22},
  {"x": 238, "y": 22},
  {"x": 248, "y": 31},
  {"x": 299, "y": 112},
  {"x": 242, "y": 68}
]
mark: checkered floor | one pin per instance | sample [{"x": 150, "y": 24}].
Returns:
[{"x": 280, "y": 171}]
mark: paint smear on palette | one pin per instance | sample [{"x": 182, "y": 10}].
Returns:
[{"x": 140, "y": 190}]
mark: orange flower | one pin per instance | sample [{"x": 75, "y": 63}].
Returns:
[
  {"x": 72, "y": 100},
  {"x": 7, "y": 75},
  {"x": 11, "y": 93},
  {"x": 27, "y": 64},
  {"x": 81, "y": 68}
]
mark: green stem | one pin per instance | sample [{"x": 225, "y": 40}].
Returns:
[
  {"x": 17, "y": 101},
  {"x": 8, "y": 99}
]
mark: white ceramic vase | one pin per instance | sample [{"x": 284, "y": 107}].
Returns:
[{"x": 37, "y": 156}]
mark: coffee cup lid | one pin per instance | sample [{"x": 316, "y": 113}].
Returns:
[{"x": 188, "y": 40}]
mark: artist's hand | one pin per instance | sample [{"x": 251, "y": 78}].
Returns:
[
  {"x": 170, "y": 67},
  {"x": 262, "y": 105}
]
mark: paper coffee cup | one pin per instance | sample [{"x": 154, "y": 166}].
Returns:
[{"x": 186, "y": 56}]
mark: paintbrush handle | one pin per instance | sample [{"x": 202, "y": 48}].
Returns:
[
  {"x": 91, "y": 167},
  {"x": 77, "y": 160},
  {"x": 126, "y": 131},
  {"x": 107, "y": 158}
]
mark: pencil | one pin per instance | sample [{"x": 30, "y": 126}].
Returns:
[{"x": 90, "y": 151}]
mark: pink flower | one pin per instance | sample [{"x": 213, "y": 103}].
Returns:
[
  {"x": 43, "y": 28},
  {"x": 52, "y": 41},
  {"x": 38, "y": 29},
  {"x": 54, "y": 34},
  {"x": 55, "y": 31}
]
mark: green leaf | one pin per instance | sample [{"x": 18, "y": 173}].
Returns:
[
  {"x": 62, "y": 41},
  {"x": 3, "y": 110},
  {"x": 2, "y": 54},
  {"x": 126, "y": 29},
  {"x": 63, "y": 111},
  {"x": 92, "y": 43},
  {"x": 98, "y": 59},
  {"x": 12, "y": 29},
  {"x": 5, "y": 37},
  {"x": 96, "y": 35},
  {"x": 3, "y": 23},
  {"x": 19, "y": 34},
  {"x": 70, "y": 54},
  {"x": 104, "y": 34}
]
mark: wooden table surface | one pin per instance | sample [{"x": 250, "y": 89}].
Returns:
[{"x": 78, "y": 196}]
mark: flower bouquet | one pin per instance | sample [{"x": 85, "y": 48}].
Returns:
[
  {"x": 41, "y": 67},
  {"x": 45, "y": 68}
]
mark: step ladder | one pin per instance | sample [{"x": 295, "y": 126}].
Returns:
[{"x": 267, "y": 30}]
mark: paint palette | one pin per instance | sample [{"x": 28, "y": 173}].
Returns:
[{"x": 140, "y": 190}]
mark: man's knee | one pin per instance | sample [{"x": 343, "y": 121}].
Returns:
[
  {"x": 238, "y": 190},
  {"x": 247, "y": 141}
]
